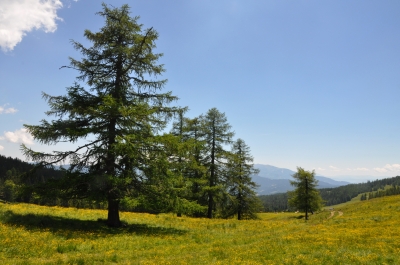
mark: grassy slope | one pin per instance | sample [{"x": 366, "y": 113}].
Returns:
[
  {"x": 368, "y": 232},
  {"x": 355, "y": 199}
]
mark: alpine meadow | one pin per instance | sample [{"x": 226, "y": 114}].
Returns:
[
  {"x": 364, "y": 232},
  {"x": 132, "y": 177}
]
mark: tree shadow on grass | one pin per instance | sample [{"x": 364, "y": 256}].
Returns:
[
  {"x": 297, "y": 217},
  {"x": 82, "y": 228}
]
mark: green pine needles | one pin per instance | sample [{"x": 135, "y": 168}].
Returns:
[
  {"x": 306, "y": 196},
  {"x": 242, "y": 199},
  {"x": 120, "y": 114}
]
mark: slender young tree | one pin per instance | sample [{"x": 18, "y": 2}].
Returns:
[
  {"x": 305, "y": 197},
  {"x": 243, "y": 200},
  {"x": 196, "y": 173},
  {"x": 117, "y": 106},
  {"x": 179, "y": 158},
  {"x": 186, "y": 163},
  {"x": 217, "y": 132}
]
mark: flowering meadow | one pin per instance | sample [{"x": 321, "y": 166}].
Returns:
[{"x": 366, "y": 232}]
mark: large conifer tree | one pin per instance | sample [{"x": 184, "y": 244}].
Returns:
[
  {"x": 217, "y": 132},
  {"x": 117, "y": 107}
]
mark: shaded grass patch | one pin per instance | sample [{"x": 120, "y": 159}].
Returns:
[{"x": 81, "y": 228}]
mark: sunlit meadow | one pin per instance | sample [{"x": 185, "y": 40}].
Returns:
[{"x": 367, "y": 232}]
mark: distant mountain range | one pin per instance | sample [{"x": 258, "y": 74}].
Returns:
[{"x": 276, "y": 180}]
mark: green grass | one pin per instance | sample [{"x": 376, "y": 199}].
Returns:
[
  {"x": 355, "y": 199},
  {"x": 368, "y": 232}
]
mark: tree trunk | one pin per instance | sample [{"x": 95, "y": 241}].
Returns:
[
  {"x": 240, "y": 206},
  {"x": 307, "y": 202},
  {"x": 212, "y": 176},
  {"x": 113, "y": 213},
  {"x": 210, "y": 205}
]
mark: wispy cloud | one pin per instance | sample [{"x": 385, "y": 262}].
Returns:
[
  {"x": 5, "y": 110},
  {"x": 334, "y": 168},
  {"x": 19, "y": 136},
  {"x": 1, "y": 147},
  {"x": 69, "y": 3},
  {"x": 17, "y": 17},
  {"x": 388, "y": 168},
  {"x": 361, "y": 169}
]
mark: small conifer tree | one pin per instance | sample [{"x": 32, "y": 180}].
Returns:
[{"x": 305, "y": 197}]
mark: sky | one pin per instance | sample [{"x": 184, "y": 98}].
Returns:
[{"x": 311, "y": 84}]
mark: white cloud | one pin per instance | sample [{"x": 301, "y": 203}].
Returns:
[
  {"x": 388, "y": 168},
  {"x": 361, "y": 169},
  {"x": 69, "y": 3},
  {"x": 17, "y": 17},
  {"x": 381, "y": 170},
  {"x": 321, "y": 169},
  {"x": 1, "y": 147},
  {"x": 334, "y": 168},
  {"x": 19, "y": 136},
  {"x": 8, "y": 110}
]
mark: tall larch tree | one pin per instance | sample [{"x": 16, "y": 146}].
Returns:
[
  {"x": 242, "y": 197},
  {"x": 187, "y": 164},
  {"x": 217, "y": 133},
  {"x": 117, "y": 107},
  {"x": 306, "y": 196},
  {"x": 196, "y": 172}
]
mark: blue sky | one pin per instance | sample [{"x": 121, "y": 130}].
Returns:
[{"x": 314, "y": 84}]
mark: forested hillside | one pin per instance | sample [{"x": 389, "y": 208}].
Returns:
[
  {"x": 13, "y": 179},
  {"x": 13, "y": 176},
  {"x": 346, "y": 193},
  {"x": 333, "y": 196},
  {"x": 14, "y": 167}
]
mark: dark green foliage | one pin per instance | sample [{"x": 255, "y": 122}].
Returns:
[
  {"x": 217, "y": 132},
  {"x": 305, "y": 197},
  {"x": 275, "y": 202},
  {"x": 9, "y": 190},
  {"x": 119, "y": 115},
  {"x": 342, "y": 194},
  {"x": 196, "y": 172},
  {"x": 186, "y": 160},
  {"x": 241, "y": 199},
  {"x": 363, "y": 197},
  {"x": 392, "y": 190},
  {"x": 14, "y": 169},
  {"x": 14, "y": 180}
]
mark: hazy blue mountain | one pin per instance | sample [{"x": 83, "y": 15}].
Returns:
[
  {"x": 272, "y": 172},
  {"x": 336, "y": 183},
  {"x": 275, "y": 180},
  {"x": 271, "y": 186}
]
